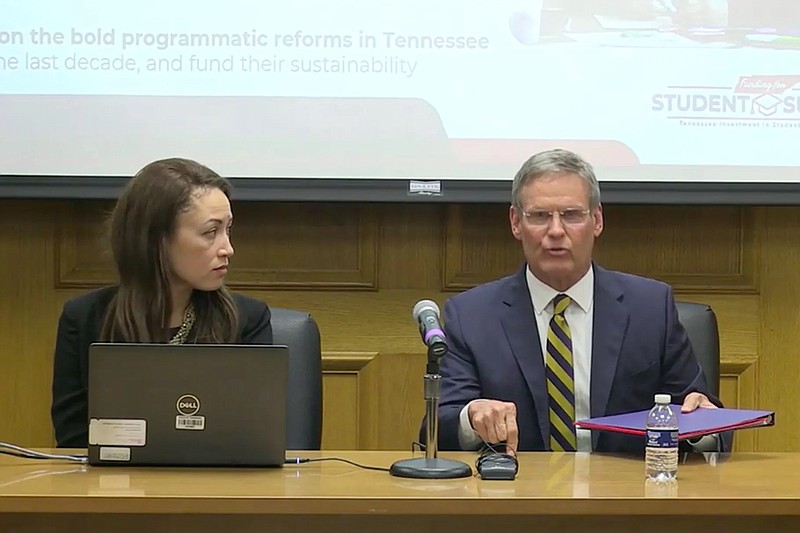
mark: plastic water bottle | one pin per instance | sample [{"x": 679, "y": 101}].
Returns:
[{"x": 661, "y": 446}]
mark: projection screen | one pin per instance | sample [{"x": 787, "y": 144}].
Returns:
[{"x": 420, "y": 93}]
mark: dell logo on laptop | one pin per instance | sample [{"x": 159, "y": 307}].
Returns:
[{"x": 188, "y": 405}]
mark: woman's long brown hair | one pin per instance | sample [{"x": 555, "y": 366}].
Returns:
[{"x": 142, "y": 221}]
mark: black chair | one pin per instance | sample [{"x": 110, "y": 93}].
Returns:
[
  {"x": 300, "y": 333},
  {"x": 700, "y": 323}
]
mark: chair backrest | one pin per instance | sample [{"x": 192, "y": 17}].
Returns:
[
  {"x": 300, "y": 333},
  {"x": 700, "y": 323}
]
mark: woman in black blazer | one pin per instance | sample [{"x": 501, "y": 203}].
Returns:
[{"x": 170, "y": 238}]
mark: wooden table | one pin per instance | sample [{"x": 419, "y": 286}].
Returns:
[{"x": 582, "y": 492}]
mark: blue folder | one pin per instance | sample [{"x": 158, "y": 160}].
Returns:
[{"x": 690, "y": 425}]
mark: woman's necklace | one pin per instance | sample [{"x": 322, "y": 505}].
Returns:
[{"x": 186, "y": 326}]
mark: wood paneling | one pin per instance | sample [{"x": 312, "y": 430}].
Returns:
[
  {"x": 479, "y": 246},
  {"x": 411, "y": 247},
  {"x": 779, "y": 347},
  {"x": 288, "y": 246},
  {"x": 28, "y": 315},
  {"x": 360, "y": 268},
  {"x": 347, "y": 384},
  {"x": 81, "y": 247},
  {"x": 698, "y": 250},
  {"x": 305, "y": 247},
  {"x": 738, "y": 381},
  {"x": 704, "y": 250}
]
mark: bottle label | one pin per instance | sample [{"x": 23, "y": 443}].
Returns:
[{"x": 662, "y": 438}]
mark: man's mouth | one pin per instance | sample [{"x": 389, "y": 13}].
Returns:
[{"x": 557, "y": 251}]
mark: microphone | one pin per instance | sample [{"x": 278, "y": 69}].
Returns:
[{"x": 426, "y": 313}]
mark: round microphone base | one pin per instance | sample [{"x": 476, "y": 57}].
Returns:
[{"x": 424, "y": 468}]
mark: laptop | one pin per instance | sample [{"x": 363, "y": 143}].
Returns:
[{"x": 187, "y": 404}]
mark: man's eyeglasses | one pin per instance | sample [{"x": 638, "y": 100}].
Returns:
[{"x": 542, "y": 217}]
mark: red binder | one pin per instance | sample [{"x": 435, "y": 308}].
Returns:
[{"x": 690, "y": 425}]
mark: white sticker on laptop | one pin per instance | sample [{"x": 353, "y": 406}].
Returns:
[
  {"x": 197, "y": 423},
  {"x": 188, "y": 406},
  {"x": 117, "y": 432},
  {"x": 115, "y": 454}
]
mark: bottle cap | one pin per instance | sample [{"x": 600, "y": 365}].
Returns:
[{"x": 663, "y": 399}]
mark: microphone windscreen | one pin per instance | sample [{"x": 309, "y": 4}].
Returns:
[{"x": 422, "y": 305}]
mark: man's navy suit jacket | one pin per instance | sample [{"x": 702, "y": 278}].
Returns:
[{"x": 639, "y": 348}]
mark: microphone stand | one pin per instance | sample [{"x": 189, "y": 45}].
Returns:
[{"x": 431, "y": 466}]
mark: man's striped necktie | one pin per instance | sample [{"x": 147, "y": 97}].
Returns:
[{"x": 560, "y": 379}]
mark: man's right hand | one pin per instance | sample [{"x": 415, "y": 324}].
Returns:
[{"x": 495, "y": 421}]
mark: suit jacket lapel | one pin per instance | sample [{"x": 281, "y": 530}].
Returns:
[
  {"x": 522, "y": 333},
  {"x": 608, "y": 331}
]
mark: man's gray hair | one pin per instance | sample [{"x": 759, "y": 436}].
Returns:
[{"x": 557, "y": 161}]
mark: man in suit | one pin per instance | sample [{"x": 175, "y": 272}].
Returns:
[{"x": 562, "y": 339}]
